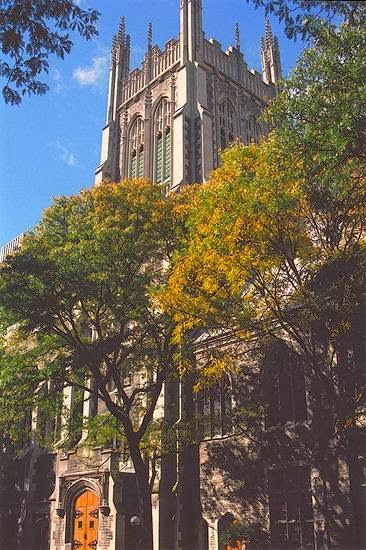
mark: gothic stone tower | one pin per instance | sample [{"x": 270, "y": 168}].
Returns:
[
  {"x": 169, "y": 119},
  {"x": 166, "y": 121}
]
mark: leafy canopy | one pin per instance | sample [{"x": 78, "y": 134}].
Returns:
[
  {"x": 31, "y": 31},
  {"x": 274, "y": 215},
  {"x": 303, "y": 18},
  {"x": 83, "y": 281}
]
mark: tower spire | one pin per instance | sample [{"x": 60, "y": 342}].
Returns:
[
  {"x": 122, "y": 31},
  {"x": 270, "y": 53},
  {"x": 268, "y": 29},
  {"x": 190, "y": 29},
  {"x": 237, "y": 36},
  {"x": 149, "y": 52},
  {"x": 119, "y": 67},
  {"x": 149, "y": 35}
]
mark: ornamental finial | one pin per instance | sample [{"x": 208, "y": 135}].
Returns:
[{"x": 237, "y": 36}]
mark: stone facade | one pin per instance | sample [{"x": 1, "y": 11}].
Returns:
[
  {"x": 212, "y": 98},
  {"x": 168, "y": 121}
]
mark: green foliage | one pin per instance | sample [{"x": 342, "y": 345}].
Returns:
[
  {"x": 90, "y": 267},
  {"x": 272, "y": 215},
  {"x": 81, "y": 295},
  {"x": 320, "y": 110},
  {"x": 304, "y": 18},
  {"x": 103, "y": 430},
  {"x": 252, "y": 534},
  {"x": 30, "y": 32},
  {"x": 277, "y": 237}
]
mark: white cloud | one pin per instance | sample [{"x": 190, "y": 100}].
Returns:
[
  {"x": 65, "y": 154},
  {"x": 94, "y": 73},
  {"x": 59, "y": 85},
  {"x": 56, "y": 75}
]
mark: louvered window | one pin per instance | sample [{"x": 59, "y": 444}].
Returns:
[
  {"x": 133, "y": 166},
  {"x": 162, "y": 133},
  {"x": 159, "y": 158},
  {"x": 140, "y": 164},
  {"x": 136, "y": 149},
  {"x": 167, "y": 155}
]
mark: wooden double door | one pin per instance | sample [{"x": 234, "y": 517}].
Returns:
[{"x": 85, "y": 532}]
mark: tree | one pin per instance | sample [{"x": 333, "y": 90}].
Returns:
[
  {"x": 303, "y": 18},
  {"x": 30, "y": 32},
  {"x": 276, "y": 246},
  {"x": 80, "y": 292}
]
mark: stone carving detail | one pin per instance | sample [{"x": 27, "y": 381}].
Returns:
[
  {"x": 123, "y": 120},
  {"x": 65, "y": 484},
  {"x": 198, "y": 149},
  {"x": 93, "y": 544},
  {"x": 209, "y": 91},
  {"x": 100, "y": 478},
  {"x": 148, "y": 100},
  {"x": 188, "y": 140},
  {"x": 173, "y": 79},
  {"x": 227, "y": 89}
]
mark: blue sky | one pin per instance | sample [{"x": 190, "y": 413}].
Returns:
[{"x": 50, "y": 145}]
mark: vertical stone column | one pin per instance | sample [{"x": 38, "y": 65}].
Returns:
[
  {"x": 149, "y": 138},
  {"x": 213, "y": 537},
  {"x": 123, "y": 147}
]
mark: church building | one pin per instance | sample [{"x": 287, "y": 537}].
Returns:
[{"x": 167, "y": 121}]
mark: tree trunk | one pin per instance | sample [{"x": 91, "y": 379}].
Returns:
[{"x": 144, "y": 496}]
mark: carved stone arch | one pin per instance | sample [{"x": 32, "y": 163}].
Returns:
[
  {"x": 228, "y": 122},
  {"x": 135, "y": 145},
  {"x": 157, "y": 102},
  {"x": 254, "y": 131},
  {"x": 223, "y": 98},
  {"x": 161, "y": 139},
  {"x": 71, "y": 495},
  {"x": 223, "y": 525},
  {"x": 132, "y": 121}
]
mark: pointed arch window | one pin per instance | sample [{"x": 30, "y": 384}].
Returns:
[
  {"x": 227, "y": 123},
  {"x": 136, "y": 149},
  {"x": 162, "y": 142},
  {"x": 254, "y": 132}
]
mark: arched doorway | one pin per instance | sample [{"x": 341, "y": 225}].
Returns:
[
  {"x": 228, "y": 538},
  {"x": 85, "y": 526}
]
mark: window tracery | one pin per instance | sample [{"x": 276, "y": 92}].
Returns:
[
  {"x": 254, "y": 132},
  {"x": 290, "y": 507},
  {"x": 136, "y": 149},
  {"x": 227, "y": 120},
  {"x": 214, "y": 410},
  {"x": 284, "y": 388},
  {"x": 162, "y": 142}
]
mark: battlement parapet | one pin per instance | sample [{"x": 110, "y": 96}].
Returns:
[
  {"x": 161, "y": 62},
  {"x": 11, "y": 247},
  {"x": 232, "y": 64}
]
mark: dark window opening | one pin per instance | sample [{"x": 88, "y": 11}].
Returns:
[
  {"x": 284, "y": 388},
  {"x": 214, "y": 410},
  {"x": 290, "y": 506}
]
